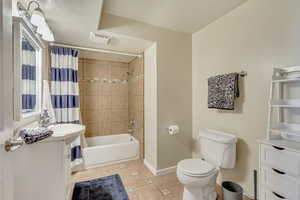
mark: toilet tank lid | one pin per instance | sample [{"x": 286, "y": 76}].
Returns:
[{"x": 218, "y": 136}]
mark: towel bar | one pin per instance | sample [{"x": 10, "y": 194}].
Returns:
[
  {"x": 243, "y": 73},
  {"x": 13, "y": 144}
]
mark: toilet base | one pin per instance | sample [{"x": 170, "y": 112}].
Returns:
[{"x": 199, "y": 195}]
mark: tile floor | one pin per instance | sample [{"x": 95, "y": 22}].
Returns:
[{"x": 139, "y": 182}]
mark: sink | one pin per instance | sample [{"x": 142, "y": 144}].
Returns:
[{"x": 68, "y": 132}]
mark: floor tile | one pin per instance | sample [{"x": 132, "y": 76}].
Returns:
[{"x": 139, "y": 182}]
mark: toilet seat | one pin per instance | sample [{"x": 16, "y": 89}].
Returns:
[{"x": 196, "y": 167}]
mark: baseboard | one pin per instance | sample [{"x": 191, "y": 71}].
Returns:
[
  {"x": 166, "y": 170},
  {"x": 150, "y": 167},
  {"x": 249, "y": 196},
  {"x": 159, "y": 172}
]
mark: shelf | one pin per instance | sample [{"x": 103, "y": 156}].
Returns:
[
  {"x": 285, "y": 80},
  {"x": 291, "y": 129},
  {"x": 284, "y": 133},
  {"x": 292, "y": 103},
  {"x": 287, "y": 69},
  {"x": 287, "y": 74},
  {"x": 287, "y": 131}
]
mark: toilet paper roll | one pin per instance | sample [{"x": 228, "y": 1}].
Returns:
[{"x": 173, "y": 129}]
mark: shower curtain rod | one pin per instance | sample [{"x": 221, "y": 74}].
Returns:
[{"x": 96, "y": 50}]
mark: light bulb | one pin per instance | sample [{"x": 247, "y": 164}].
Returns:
[{"x": 37, "y": 18}]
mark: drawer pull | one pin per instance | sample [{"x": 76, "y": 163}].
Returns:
[
  {"x": 279, "y": 148},
  {"x": 278, "y": 171},
  {"x": 279, "y": 196}
]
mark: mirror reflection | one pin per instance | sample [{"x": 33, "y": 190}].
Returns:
[{"x": 29, "y": 63}]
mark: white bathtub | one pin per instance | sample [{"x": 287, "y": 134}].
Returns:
[{"x": 104, "y": 150}]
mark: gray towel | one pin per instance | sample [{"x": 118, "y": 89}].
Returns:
[
  {"x": 222, "y": 91},
  {"x": 33, "y": 135}
]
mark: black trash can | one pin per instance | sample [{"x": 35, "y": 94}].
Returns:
[{"x": 232, "y": 191}]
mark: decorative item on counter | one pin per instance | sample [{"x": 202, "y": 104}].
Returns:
[{"x": 33, "y": 135}]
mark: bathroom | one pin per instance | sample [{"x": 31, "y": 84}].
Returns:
[{"x": 129, "y": 94}]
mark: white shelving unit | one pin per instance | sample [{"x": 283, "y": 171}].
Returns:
[
  {"x": 279, "y": 154},
  {"x": 280, "y": 128},
  {"x": 285, "y": 80}
]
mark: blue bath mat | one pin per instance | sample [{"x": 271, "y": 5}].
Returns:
[{"x": 106, "y": 188}]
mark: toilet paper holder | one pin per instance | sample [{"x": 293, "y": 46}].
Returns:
[{"x": 173, "y": 129}]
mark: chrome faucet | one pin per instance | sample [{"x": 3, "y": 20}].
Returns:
[
  {"x": 132, "y": 127},
  {"x": 45, "y": 119},
  {"x": 132, "y": 123}
]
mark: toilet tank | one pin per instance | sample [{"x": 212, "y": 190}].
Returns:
[{"x": 218, "y": 148}]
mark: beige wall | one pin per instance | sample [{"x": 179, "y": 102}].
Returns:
[
  {"x": 104, "y": 105},
  {"x": 136, "y": 100},
  {"x": 174, "y": 84},
  {"x": 257, "y": 36}
]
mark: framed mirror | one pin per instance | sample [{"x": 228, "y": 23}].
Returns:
[{"x": 28, "y": 58}]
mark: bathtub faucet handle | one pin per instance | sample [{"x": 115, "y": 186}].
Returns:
[
  {"x": 132, "y": 122},
  {"x": 130, "y": 131}
]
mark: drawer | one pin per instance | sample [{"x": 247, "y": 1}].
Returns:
[
  {"x": 280, "y": 158},
  {"x": 266, "y": 194},
  {"x": 280, "y": 183}
]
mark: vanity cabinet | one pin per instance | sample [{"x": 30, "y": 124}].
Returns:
[
  {"x": 279, "y": 170},
  {"x": 43, "y": 171}
]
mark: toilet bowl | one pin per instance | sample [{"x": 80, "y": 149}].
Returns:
[{"x": 199, "y": 176}]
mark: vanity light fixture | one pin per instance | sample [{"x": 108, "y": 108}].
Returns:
[
  {"x": 47, "y": 33},
  {"x": 37, "y": 19}
]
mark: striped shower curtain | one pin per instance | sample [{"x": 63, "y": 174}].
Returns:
[
  {"x": 64, "y": 84},
  {"x": 65, "y": 93},
  {"x": 28, "y": 77}
]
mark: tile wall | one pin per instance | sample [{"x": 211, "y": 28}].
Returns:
[
  {"x": 104, "y": 102},
  {"x": 114, "y": 99},
  {"x": 136, "y": 100}
]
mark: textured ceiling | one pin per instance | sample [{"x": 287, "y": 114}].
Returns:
[
  {"x": 73, "y": 20},
  {"x": 180, "y": 15}
]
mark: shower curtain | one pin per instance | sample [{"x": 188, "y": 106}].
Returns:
[
  {"x": 28, "y": 77},
  {"x": 65, "y": 93},
  {"x": 64, "y": 84}
]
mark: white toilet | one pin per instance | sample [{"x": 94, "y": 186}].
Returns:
[{"x": 199, "y": 175}]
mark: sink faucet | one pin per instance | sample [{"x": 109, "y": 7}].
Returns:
[{"x": 45, "y": 119}]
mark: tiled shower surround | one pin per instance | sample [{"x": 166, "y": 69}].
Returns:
[
  {"x": 111, "y": 95},
  {"x": 136, "y": 100}
]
